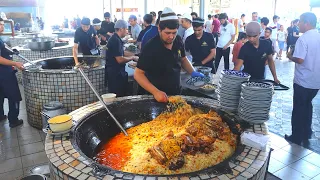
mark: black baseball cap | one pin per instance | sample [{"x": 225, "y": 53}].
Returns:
[
  {"x": 107, "y": 15},
  {"x": 153, "y": 13},
  {"x": 85, "y": 21}
]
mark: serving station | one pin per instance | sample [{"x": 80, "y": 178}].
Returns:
[{"x": 71, "y": 156}]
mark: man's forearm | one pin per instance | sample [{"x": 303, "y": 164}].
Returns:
[
  {"x": 231, "y": 41},
  {"x": 186, "y": 65},
  {"x": 238, "y": 65},
  {"x": 127, "y": 54},
  {"x": 7, "y": 62},
  {"x": 122, "y": 60},
  {"x": 75, "y": 55},
  {"x": 144, "y": 82},
  {"x": 296, "y": 60},
  {"x": 272, "y": 68},
  {"x": 97, "y": 41},
  {"x": 209, "y": 58}
]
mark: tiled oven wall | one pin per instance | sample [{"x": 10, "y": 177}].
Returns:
[{"x": 68, "y": 88}]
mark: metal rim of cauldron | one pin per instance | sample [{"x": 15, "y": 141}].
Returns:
[
  {"x": 101, "y": 170},
  {"x": 26, "y": 65}
]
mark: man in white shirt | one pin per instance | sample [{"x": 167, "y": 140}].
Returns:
[
  {"x": 255, "y": 16},
  {"x": 241, "y": 24},
  {"x": 208, "y": 24},
  {"x": 275, "y": 26},
  {"x": 135, "y": 28},
  {"x": 264, "y": 23},
  {"x": 186, "y": 22},
  {"x": 306, "y": 78},
  {"x": 227, "y": 35}
]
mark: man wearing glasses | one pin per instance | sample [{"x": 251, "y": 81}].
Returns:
[
  {"x": 254, "y": 54},
  {"x": 85, "y": 37}
]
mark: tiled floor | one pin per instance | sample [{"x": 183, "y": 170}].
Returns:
[
  {"x": 292, "y": 162},
  {"x": 25, "y": 150},
  {"x": 24, "y": 147}
]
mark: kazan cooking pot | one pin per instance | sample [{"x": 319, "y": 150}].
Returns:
[
  {"x": 97, "y": 127},
  {"x": 41, "y": 44}
]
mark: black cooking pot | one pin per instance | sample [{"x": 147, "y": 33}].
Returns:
[{"x": 95, "y": 129}]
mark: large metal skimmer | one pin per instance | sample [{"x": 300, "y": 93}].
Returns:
[
  {"x": 101, "y": 100},
  {"x": 17, "y": 53}
]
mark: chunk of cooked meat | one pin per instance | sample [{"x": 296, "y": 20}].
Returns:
[
  {"x": 177, "y": 162},
  {"x": 157, "y": 153},
  {"x": 168, "y": 151}
]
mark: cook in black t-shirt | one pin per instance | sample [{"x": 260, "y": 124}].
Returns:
[
  {"x": 107, "y": 29},
  {"x": 116, "y": 59},
  {"x": 254, "y": 54},
  {"x": 161, "y": 59},
  {"x": 86, "y": 38},
  {"x": 201, "y": 45}
]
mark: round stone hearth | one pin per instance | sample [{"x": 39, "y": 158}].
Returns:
[{"x": 67, "y": 163}]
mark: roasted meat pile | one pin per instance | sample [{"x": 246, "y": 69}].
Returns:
[{"x": 197, "y": 136}]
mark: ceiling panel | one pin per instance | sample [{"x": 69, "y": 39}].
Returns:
[{"x": 18, "y": 3}]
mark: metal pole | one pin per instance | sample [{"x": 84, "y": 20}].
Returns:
[
  {"x": 102, "y": 6},
  {"x": 275, "y": 7},
  {"x": 145, "y": 6},
  {"x": 101, "y": 100},
  {"x": 201, "y": 8},
  {"x": 122, "y": 9}
]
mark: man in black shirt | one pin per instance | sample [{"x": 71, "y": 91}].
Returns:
[
  {"x": 267, "y": 35},
  {"x": 254, "y": 54},
  {"x": 159, "y": 65},
  {"x": 107, "y": 29},
  {"x": 201, "y": 45},
  {"x": 293, "y": 35},
  {"x": 9, "y": 87},
  {"x": 86, "y": 38},
  {"x": 147, "y": 20},
  {"x": 116, "y": 76}
]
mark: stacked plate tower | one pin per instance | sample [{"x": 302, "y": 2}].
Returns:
[
  {"x": 229, "y": 88},
  {"x": 255, "y": 102}
]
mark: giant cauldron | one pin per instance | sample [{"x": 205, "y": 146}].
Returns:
[
  {"x": 70, "y": 156},
  {"x": 57, "y": 81}
]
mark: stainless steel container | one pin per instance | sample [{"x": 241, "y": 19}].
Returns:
[
  {"x": 41, "y": 44},
  {"x": 50, "y": 110}
]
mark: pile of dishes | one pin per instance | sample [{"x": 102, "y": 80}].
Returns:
[
  {"x": 255, "y": 101},
  {"x": 229, "y": 88}
]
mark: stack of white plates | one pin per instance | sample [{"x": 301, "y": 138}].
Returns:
[
  {"x": 255, "y": 102},
  {"x": 229, "y": 88}
]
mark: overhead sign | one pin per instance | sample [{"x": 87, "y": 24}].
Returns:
[{"x": 127, "y": 10}]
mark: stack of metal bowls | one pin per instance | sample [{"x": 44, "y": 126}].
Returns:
[
  {"x": 229, "y": 88},
  {"x": 255, "y": 102}
]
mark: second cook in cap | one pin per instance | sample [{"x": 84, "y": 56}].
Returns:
[
  {"x": 254, "y": 54},
  {"x": 116, "y": 75},
  {"x": 86, "y": 38}
]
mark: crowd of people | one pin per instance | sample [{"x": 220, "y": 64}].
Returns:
[{"x": 170, "y": 41}]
